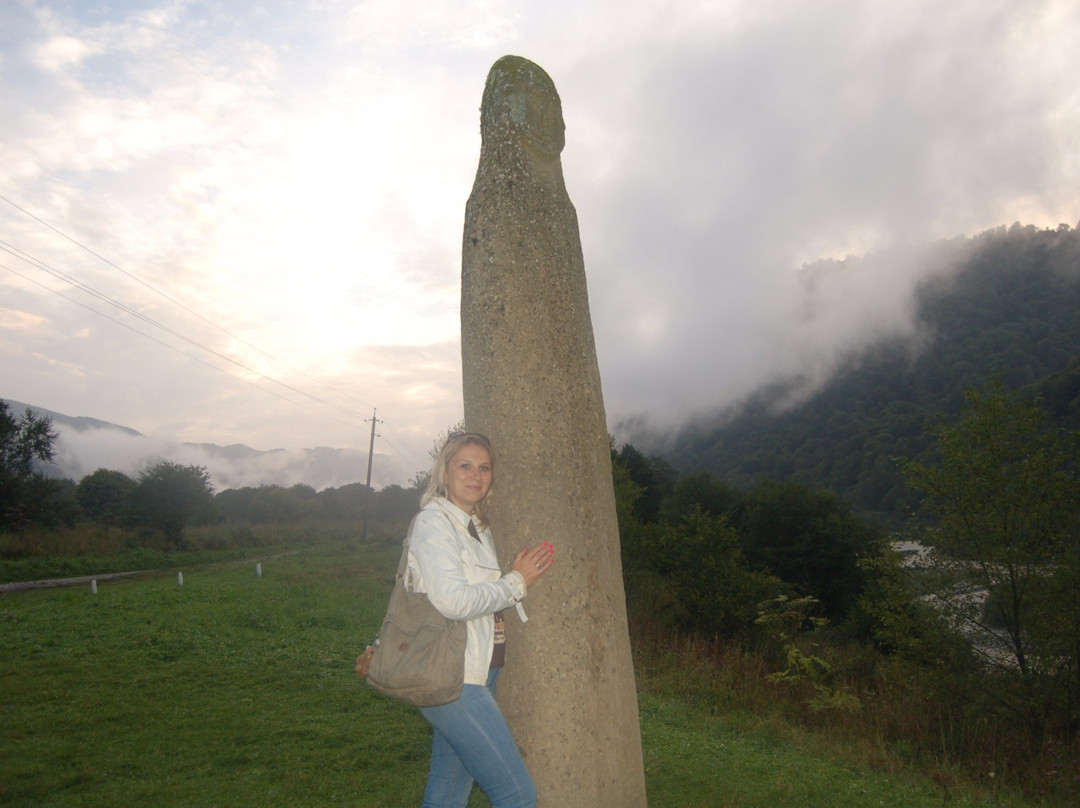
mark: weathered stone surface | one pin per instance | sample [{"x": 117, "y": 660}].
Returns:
[{"x": 531, "y": 382}]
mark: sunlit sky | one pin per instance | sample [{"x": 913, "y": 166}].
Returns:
[{"x": 233, "y": 222}]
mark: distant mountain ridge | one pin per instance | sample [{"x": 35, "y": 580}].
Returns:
[
  {"x": 1011, "y": 308},
  {"x": 87, "y": 444},
  {"x": 80, "y": 423}
]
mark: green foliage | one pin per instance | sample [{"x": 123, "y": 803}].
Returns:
[
  {"x": 904, "y": 621},
  {"x": 719, "y": 557},
  {"x": 26, "y": 497},
  {"x": 105, "y": 496},
  {"x": 395, "y": 502},
  {"x": 686, "y": 573},
  {"x": 811, "y": 539},
  {"x": 785, "y": 619},
  {"x": 691, "y": 577},
  {"x": 169, "y": 496},
  {"x": 654, "y": 477},
  {"x": 1003, "y": 488},
  {"x": 703, "y": 491},
  {"x": 627, "y": 493},
  {"x": 25, "y": 442},
  {"x": 347, "y": 502},
  {"x": 1005, "y": 499},
  {"x": 273, "y": 504},
  {"x": 715, "y": 552}
]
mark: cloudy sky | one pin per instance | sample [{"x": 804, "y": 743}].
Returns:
[{"x": 240, "y": 222}]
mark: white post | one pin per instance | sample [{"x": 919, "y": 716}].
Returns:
[
  {"x": 93, "y": 587},
  {"x": 179, "y": 579},
  {"x": 258, "y": 570}
]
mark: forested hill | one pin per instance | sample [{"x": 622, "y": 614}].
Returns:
[{"x": 1012, "y": 308}]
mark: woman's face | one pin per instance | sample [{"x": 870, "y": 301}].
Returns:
[{"x": 468, "y": 476}]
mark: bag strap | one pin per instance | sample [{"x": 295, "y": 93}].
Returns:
[{"x": 404, "y": 562}]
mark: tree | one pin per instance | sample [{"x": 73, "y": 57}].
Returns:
[
  {"x": 169, "y": 496},
  {"x": 1005, "y": 530},
  {"x": 811, "y": 539},
  {"x": 25, "y": 443},
  {"x": 394, "y": 502},
  {"x": 234, "y": 504},
  {"x": 700, "y": 583},
  {"x": 655, "y": 478},
  {"x": 701, "y": 489},
  {"x": 105, "y": 496},
  {"x": 274, "y": 504},
  {"x": 346, "y": 502}
]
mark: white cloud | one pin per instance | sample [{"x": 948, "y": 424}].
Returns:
[{"x": 62, "y": 52}]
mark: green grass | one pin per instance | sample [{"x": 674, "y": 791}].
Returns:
[
  {"x": 234, "y": 690},
  {"x": 693, "y": 758}
]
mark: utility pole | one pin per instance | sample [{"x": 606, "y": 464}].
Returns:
[{"x": 367, "y": 493}]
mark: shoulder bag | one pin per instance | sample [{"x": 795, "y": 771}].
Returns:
[{"x": 419, "y": 654}]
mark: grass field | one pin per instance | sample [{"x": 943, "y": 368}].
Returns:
[{"x": 238, "y": 690}]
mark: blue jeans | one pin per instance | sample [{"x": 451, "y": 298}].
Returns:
[{"x": 472, "y": 743}]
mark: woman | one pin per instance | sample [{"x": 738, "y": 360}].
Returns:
[{"x": 452, "y": 558}]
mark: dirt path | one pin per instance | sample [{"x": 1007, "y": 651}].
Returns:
[{"x": 82, "y": 580}]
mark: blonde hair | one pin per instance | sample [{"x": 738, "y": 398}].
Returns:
[{"x": 437, "y": 483}]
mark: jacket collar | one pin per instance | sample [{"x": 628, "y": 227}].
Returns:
[{"x": 453, "y": 510}]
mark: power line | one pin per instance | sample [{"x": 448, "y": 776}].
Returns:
[
  {"x": 176, "y": 302},
  {"x": 89, "y": 290},
  {"x": 420, "y": 463},
  {"x": 403, "y": 447},
  {"x": 162, "y": 342},
  {"x": 168, "y": 330}
]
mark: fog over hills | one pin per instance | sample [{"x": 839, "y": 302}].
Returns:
[
  {"x": 87, "y": 444},
  {"x": 1007, "y": 311}
]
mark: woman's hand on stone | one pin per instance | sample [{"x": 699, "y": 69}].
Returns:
[{"x": 535, "y": 562}]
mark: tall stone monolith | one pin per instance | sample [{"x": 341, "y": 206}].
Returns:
[{"x": 532, "y": 384}]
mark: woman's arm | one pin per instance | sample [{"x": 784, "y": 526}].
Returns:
[{"x": 435, "y": 548}]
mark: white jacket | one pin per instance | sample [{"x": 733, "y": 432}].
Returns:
[{"x": 462, "y": 579}]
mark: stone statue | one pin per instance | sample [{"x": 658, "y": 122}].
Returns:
[{"x": 532, "y": 384}]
